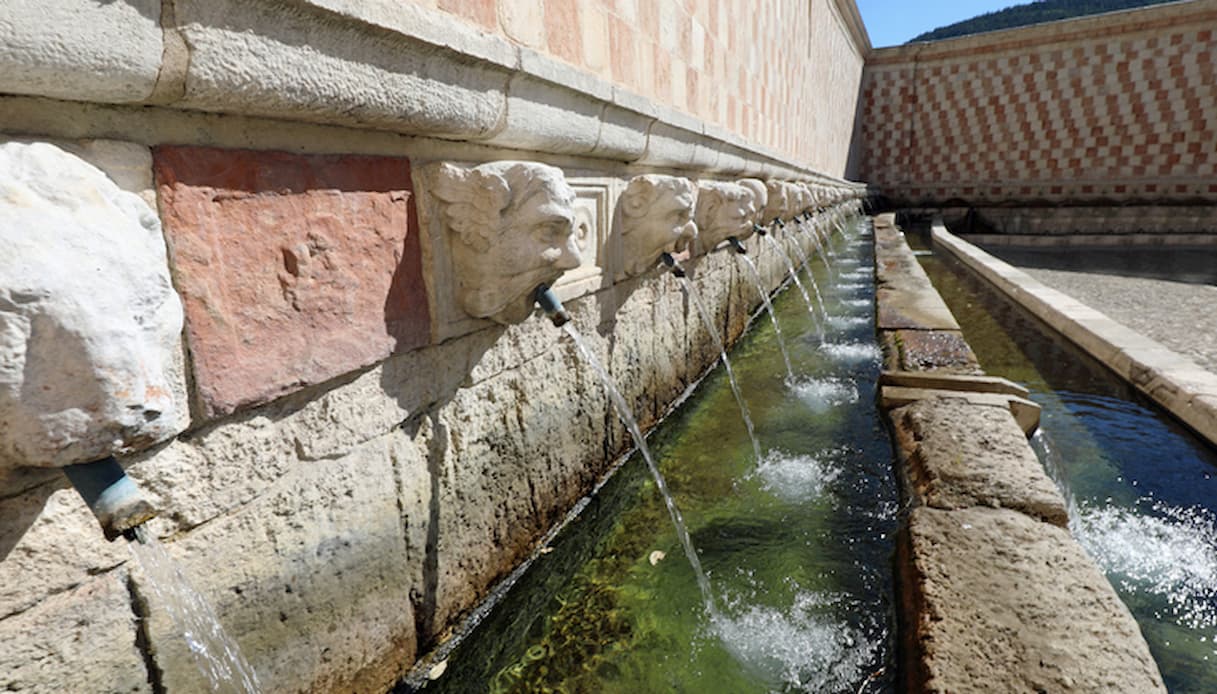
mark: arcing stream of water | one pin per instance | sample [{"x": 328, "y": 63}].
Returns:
[
  {"x": 794, "y": 275},
  {"x": 796, "y": 546},
  {"x": 217, "y": 655},
  {"x": 777, "y": 328}
]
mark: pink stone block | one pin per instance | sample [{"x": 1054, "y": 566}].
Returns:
[{"x": 293, "y": 269}]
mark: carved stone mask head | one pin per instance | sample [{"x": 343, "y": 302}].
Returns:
[
  {"x": 656, "y": 216},
  {"x": 89, "y": 321},
  {"x": 777, "y": 203},
  {"x": 511, "y": 227},
  {"x": 723, "y": 210},
  {"x": 760, "y": 198}
]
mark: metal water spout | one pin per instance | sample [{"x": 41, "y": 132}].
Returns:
[
  {"x": 670, "y": 261},
  {"x": 760, "y": 229},
  {"x": 119, "y": 505},
  {"x": 544, "y": 296},
  {"x": 737, "y": 245}
]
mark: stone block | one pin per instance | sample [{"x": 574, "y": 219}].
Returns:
[
  {"x": 960, "y": 455},
  {"x": 548, "y": 117},
  {"x": 995, "y": 601},
  {"x": 79, "y": 640},
  {"x": 287, "y": 60},
  {"x": 936, "y": 350},
  {"x": 80, "y": 50},
  {"x": 294, "y": 269},
  {"x": 91, "y": 325},
  {"x": 315, "y": 586}
]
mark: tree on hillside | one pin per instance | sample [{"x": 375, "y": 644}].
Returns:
[{"x": 1030, "y": 13}]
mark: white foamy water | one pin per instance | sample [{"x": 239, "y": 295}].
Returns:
[
  {"x": 823, "y": 394},
  {"x": 851, "y": 286},
  {"x": 1161, "y": 550},
  {"x": 848, "y": 321},
  {"x": 859, "y": 274},
  {"x": 852, "y": 351},
  {"x": 796, "y": 477},
  {"x": 859, "y": 303},
  {"x": 796, "y": 648}
]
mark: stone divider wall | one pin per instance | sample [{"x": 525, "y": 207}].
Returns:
[
  {"x": 1047, "y": 128},
  {"x": 994, "y": 593},
  {"x": 357, "y": 458}
]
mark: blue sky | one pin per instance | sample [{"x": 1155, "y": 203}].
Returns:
[{"x": 892, "y": 22}]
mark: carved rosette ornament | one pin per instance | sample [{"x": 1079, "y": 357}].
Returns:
[
  {"x": 511, "y": 227},
  {"x": 656, "y": 216},
  {"x": 723, "y": 210}
]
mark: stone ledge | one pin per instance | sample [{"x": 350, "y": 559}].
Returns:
[
  {"x": 1176, "y": 383},
  {"x": 1046, "y": 619}
]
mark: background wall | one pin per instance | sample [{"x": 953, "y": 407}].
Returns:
[{"x": 1117, "y": 107}]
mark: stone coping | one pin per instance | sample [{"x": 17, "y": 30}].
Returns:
[
  {"x": 1170, "y": 379},
  {"x": 1104, "y": 241},
  {"x": 994, "y": 594},
  {"x": 369, "y": 64}
]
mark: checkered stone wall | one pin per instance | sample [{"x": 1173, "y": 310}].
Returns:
[{"x": 1116, "y": 107}]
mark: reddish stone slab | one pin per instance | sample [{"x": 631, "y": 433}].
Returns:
[{"x": 293, "y": 269}]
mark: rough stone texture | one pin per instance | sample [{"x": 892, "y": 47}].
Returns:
[
  {"x": 1005, "y": 603},
  {"x": 314, "y": 585},
  {"x": 80, "y": 50},
  {"x": 936, "y": 350},
  {"x": 656, "y": 216},
  {"x": 957, "y": 455},
  {"x": 294, "y": 269},
  {"x": 79, "y": 640},
  {"x": 90, "y": 326}
]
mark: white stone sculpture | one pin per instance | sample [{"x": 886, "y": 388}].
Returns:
[
  {"x": 723, "y": 210},
  {"x": 656, "y": 216},
  {"x": 760, "y": 198},
  {"x": 777, "y": 202},
  {"x": 89, "y": 320},
  {"x": 511, "y": 227}
]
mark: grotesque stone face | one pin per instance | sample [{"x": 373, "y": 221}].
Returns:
[
  {"x": 777, "y": 203},
  {"x": 760, "y": 199},
  {"x": 723, "y": 210},
  {"x": 657, "y": 216},
  {"x": 511, "y": 227},
  {"x": 89, "y": 321}
]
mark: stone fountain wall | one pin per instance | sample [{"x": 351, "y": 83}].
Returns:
[
  {"x": 1097, "y": 125},
  {"x": 357, "y": 438}
]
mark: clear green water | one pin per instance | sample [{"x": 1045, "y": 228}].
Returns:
[
  {"x": 798, "y": 549},
  {"x": 1144, "y": 489}
]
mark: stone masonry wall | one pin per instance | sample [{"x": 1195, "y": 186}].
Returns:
[
  {"x": 1115, "y": 108},
  {"x": 356, "y": 458}
]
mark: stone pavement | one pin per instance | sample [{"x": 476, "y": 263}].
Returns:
[{"x": 1181, "y": 316}]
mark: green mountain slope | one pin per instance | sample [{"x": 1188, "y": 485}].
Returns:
[{"x": 1030, "y": 13}]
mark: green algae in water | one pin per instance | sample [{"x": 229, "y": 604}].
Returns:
[{"x": 798, "y": 549}]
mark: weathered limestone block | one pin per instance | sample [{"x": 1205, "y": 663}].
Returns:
[
  {"x": 959, "y": 455},
  {"x": 995, "y": 601},
  {"x": 723, "y": 210},
  {"x": 89, "y": 322},
  {"x": 508, "y": 226},
  {"x": 287, "y": 60},
  {"x": 656, "y": 216},
  {"x": 80, "y": 640},
  {"x": 314, "y": 585},
  {"x": 107, "y": 52},
  {"x": 294, "y": 269}
]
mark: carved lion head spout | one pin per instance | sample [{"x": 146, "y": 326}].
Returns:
[
  {"x": 656, "y": 216},
  {"x": 511, "y": 226},
  {"x": 760, "y": 199},
  {"x": 778, "y": 201},
  {"x": 723, "y": 210}
]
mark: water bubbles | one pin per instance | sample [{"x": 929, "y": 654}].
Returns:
[
  {"x": 797, "y": 477},
  {"x": 858, "y": 303},
  {"x": 853, "y": 352},
  {"x": 1162, "y": 551},
  {"x": 844, "y": 322},
  {"x": 802, "y": 647},
  {"x": 823, "y": 394}
]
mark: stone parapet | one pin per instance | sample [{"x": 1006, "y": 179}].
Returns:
[{"x": 994, "y": 593}]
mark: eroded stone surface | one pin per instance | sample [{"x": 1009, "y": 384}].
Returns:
[
  {"x": 959, "y": 455},
  {"x": 89, "y": 322},
  {"x": 294, "y": 269},
  {"x": 1005, "y": 603},
  {"x": 936, "y": 350},
  {"x": 81, "y": 640}
]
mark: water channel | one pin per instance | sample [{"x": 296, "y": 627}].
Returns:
[
  {"x": 797, "y": 549},
  {"x": 1143, "y": 489}
]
